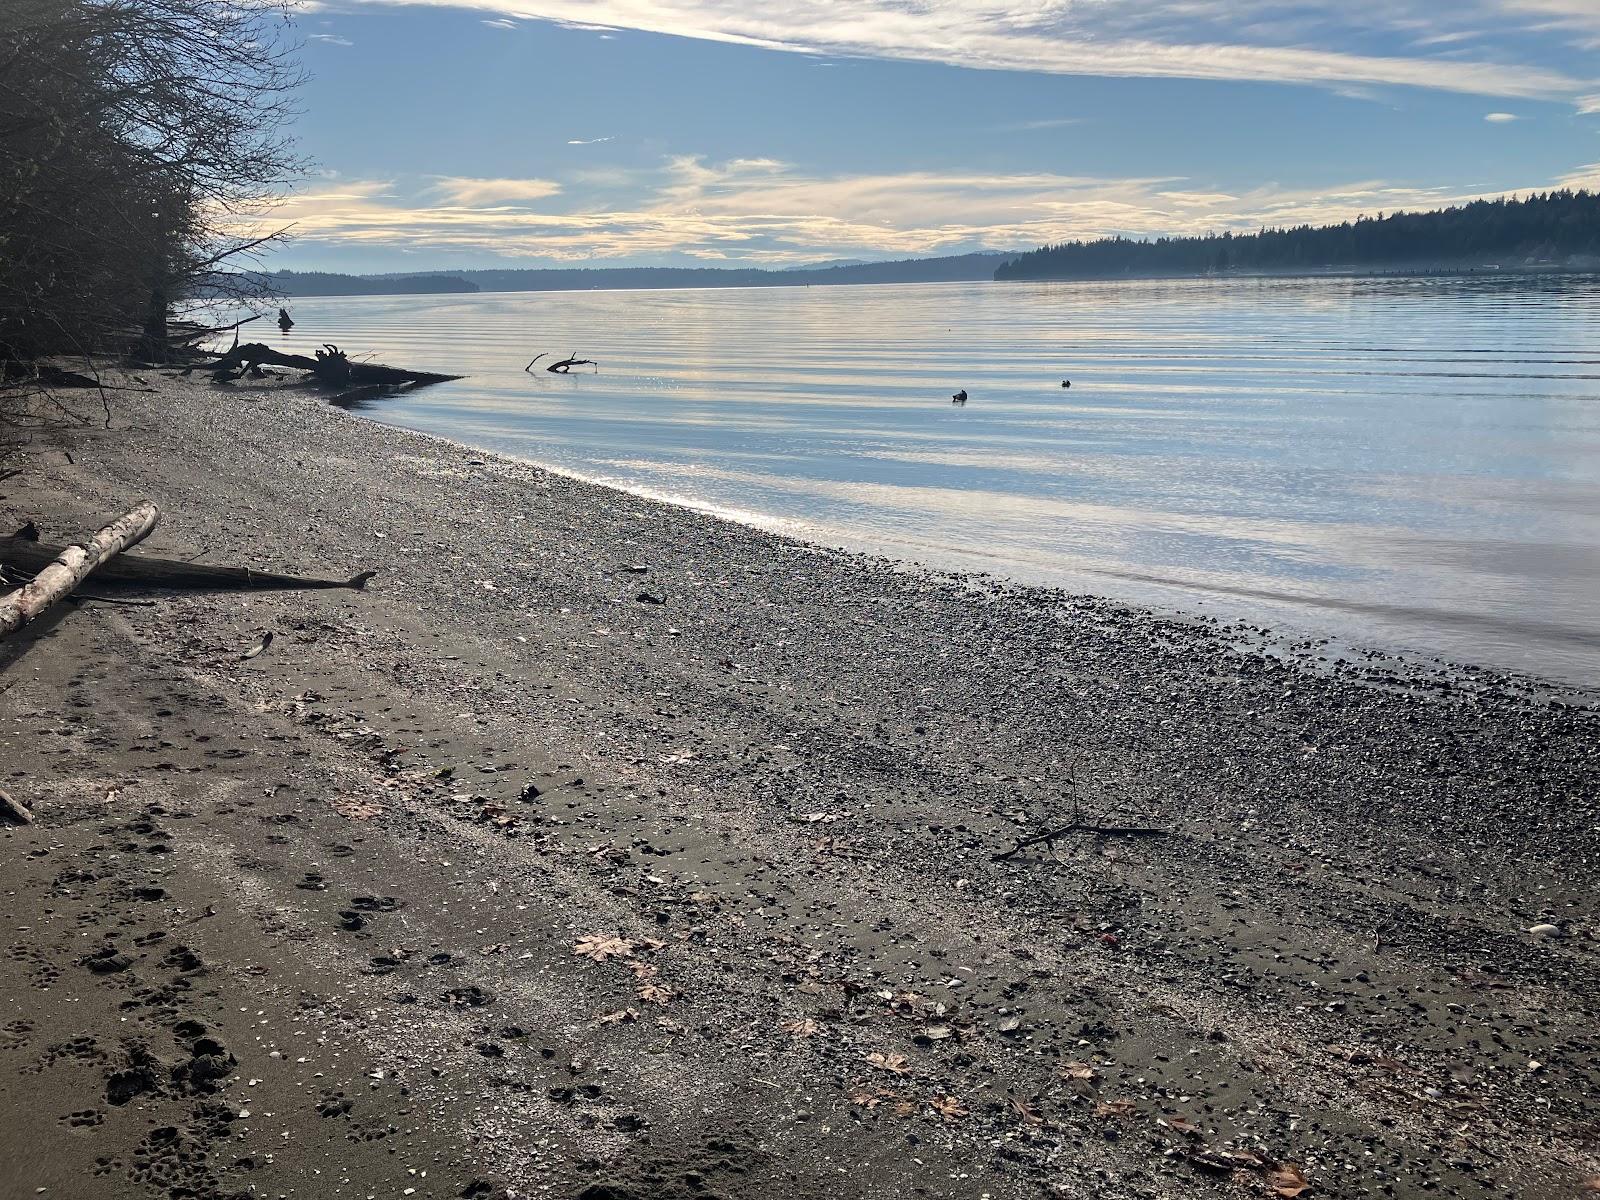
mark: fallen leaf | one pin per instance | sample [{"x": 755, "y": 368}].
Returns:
[
  {"x": 356, "y": 810},
  {"x": 654, "y": 993},
  {"x": 1027, "y": 1112},
  {"x": 895, "y": 1064},
  {"x": 803, "y": 1028},
  {"x": 949, "y": 1108},
  {"x": 1287, "y": 1180},
  {"x": 261, "y": 643},
  {"x": 621, "y": 1016},
  {"x": 1077, "y": 1070},
  {"x": 601, "y": 946},
  {"x": 1187, "y": 1128}
]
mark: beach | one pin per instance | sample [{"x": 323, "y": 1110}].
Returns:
[{"x": 604, "y": 848}]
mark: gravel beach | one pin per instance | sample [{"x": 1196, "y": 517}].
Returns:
[{"x": 608, "y": 849}]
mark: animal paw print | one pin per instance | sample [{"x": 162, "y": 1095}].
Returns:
[
  {"x": 335, "y": 1104},
  {"x": 86, "y": 1118}
]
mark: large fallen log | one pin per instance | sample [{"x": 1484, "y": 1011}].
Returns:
[
  {"x": 170, "y": 572},
  {"x": 331, "y": 366},
  {"x": 69, "y": 565}
]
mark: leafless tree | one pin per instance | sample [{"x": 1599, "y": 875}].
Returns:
[{"x": 142, "y": 142}]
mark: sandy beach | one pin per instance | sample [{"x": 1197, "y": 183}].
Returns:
[{"x": 608, "y": 849}]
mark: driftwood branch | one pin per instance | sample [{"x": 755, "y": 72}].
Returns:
[
  {"x": 195, "y": 333},
  {"x": 71, "y": 564},
  {"x": 331, "y": 366},
  {"x": 170, "y": 572},
  {"x": 1050, "y": 836},
  {"x": 566, "y": 364}
]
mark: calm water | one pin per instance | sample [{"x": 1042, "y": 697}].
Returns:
[{"x": 1408, "y": 463}]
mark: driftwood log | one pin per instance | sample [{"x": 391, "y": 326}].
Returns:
[
  {"x": 33, "y": 556},
  {"x": 331, "y": 366},
  {"x": 67, "y": 566},
  {"x": 13, "y": 810}
]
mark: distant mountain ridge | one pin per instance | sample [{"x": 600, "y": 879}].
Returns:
[
  {"x": 1560, "y": 228},
  {"x": 950, "y": 269}
]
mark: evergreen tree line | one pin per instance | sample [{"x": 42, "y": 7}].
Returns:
[
  {"x": 137, "y": 137},
  {"x": 1548, "y": 227}
]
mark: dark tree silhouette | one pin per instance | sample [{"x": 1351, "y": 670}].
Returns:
[
  {"x": 138, "y": 138},
  {"x": 1548, "y": 227}
]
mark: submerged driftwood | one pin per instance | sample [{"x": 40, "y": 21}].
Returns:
[{"x": 33, "y": 557}]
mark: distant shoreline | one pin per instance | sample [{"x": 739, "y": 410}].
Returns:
[{"x": 1369, "y": 272}]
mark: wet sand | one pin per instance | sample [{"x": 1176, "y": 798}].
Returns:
[{"x": 612, "y": 850}]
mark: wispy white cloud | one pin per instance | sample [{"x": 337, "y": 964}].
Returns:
[
  {"x": 1588, "y": 105},
  {"x": 1284, "y": 41},
  {"x": 501, "y": 23},
  {"x": 1041, "y": 123},
  {"x": 471, "y": 193},
  {"x": 1500, "y": 118},
  {"x": 329, "y": 38},
  {"x": 760, "y": 211},
  {"x": 587, "y": 141}
]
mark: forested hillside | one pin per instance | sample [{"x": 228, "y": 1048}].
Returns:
[{"x": 1548, "y": 228}]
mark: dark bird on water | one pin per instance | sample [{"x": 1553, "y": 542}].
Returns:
[
  {"x": 960, "y": 397},
  {"x": 1066, "y": 383}
]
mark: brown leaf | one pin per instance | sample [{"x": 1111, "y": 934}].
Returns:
[
  {"x": 1028, "y": 1114},
  {"x": 621, "y": 1016},
  {"x": 601, "y": 946},
  {"x": 1287, "y": 1180},
  {"x": 1077, "y": 1070},
  {"x": 654, "y": 993},
  {"x": 949, "y": 1108},
  {"x": 356, "y": 810},
  {"x": 1114, "y": 1108},
  {"x": 904, "y": 1108},
  {"x": 1187, "y": 1128},
  {"x": 803, "y": 1028},
  {"x": 865, "y": 1097},
  {"x": 895, "y": 1064}
]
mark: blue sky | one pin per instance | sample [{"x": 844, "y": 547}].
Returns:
[{"x": 719, "y": 132}]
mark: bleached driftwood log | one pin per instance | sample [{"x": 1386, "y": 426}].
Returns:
[
  {"x": 24, "y": 554},
  {"x": 72, "y": 565}
]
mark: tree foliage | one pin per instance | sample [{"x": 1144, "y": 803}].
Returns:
[
  {"x": 1550, "y": 227},
  {"x": 138, "y": 140}
]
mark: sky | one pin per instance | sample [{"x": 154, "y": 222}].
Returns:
[{"x": 535, "y": 133}]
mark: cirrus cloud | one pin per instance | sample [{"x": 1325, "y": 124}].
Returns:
[{"x": 1282, "y": 41}]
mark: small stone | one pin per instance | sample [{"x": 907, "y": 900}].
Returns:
[{"x": 1545, "y": 931}]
